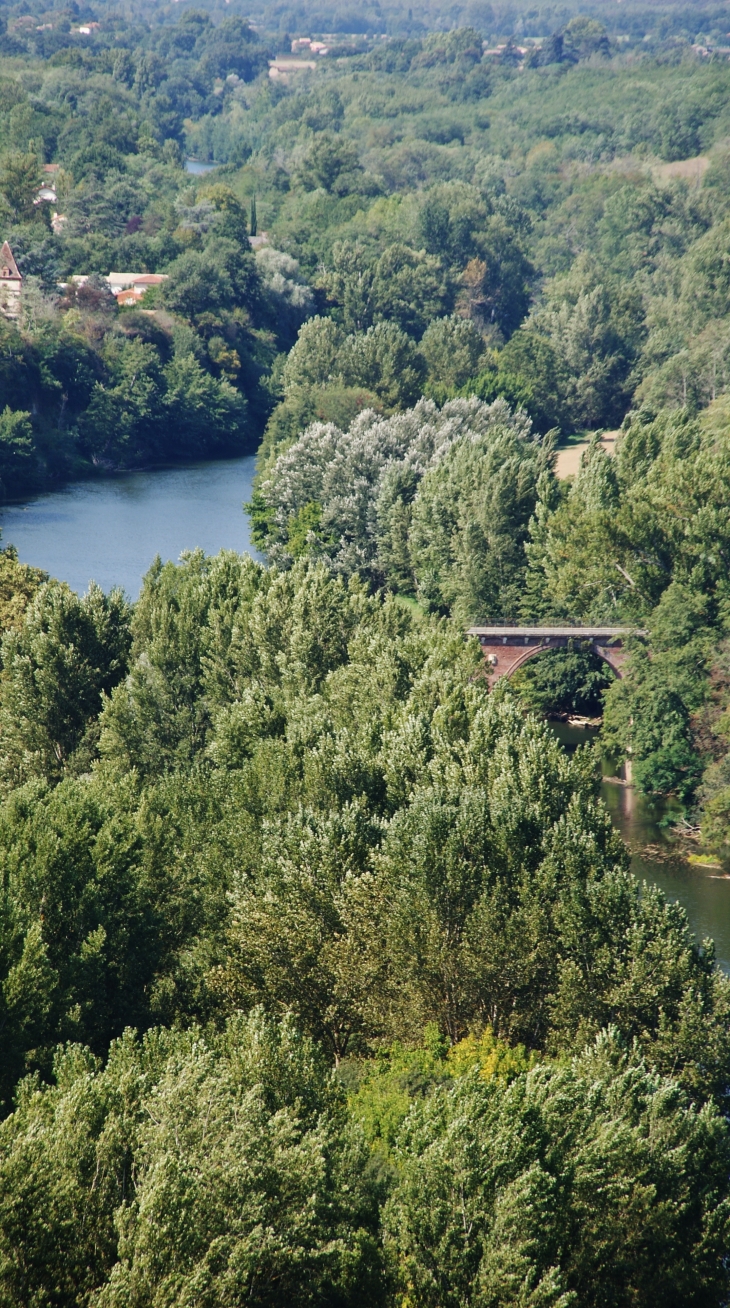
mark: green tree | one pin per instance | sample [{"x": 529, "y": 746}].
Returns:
[
  {"x": 16, "y": 449},
  {"x": 530, "y": 360},
  {"x": 158, "y": 717},
  {"x": 250, "y": 1166},
  {"x": 452, "y": 348},
  {"x": 348, "y": 282},
  {"x": 451, "y": 217},
  {"x": 20, "y": 179},
  {"x": 570, "y": 1184},
  {"x": 705, "y": 287},
  {"x": 204, "y": 415},
  {"x": 312, "y": 360},
  {"x": 216, "y": 1139},
  {"x": 496, "y": 911},
  {"x": 211, "y": 281},
  {"x": 596, "y": 326},
  {"x": 572, "y": 680},
  {"x": 408, "y": 288},
  {"x": 19, "y": 583},
  {"x": 294, "y": 939},
  {"x": 78, "y": 930},
  {"x": 332, "y": 163},
  {"x": 114, "y": 909},
  {"x": 384, "y": 360},
  {"x": 636, "y": 526},
  {"x": 230, "y": 222},
  {"x": 470, "y": 521},
  {"x": 68, "y": 654},
  {"x": 195, "y": 286},
  {"x": 65, "y": 1155},
  {"x": 496, "y": 280},
  {"x": 649, "y": 713},
  {"x": 403, "y": 286},
  {"x": 123, "y": 418},
  {"x": 586, "y": 36}
]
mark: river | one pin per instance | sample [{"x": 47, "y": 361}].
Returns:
[
  {"x": 197, "y": 168},
  {"x": 110, "y": 530},
  {"x": 704, "y": 892}
]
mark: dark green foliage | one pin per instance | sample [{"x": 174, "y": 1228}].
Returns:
[
  {"x": 640, "y": 541},
  {"x": 649, "y": 714},
  {"x": 530, "y": 364},
  {"x": 20, "y": 177},
  {"x": 289, "y": 689},
  {"x": 404, "y": 286},
  {"x": 332, "y": 164},
  {"x": 69, "y": 653},
  {"x": 134, "y": 407},
  {"x": 177, "y": 1133},
  {"x": 384, "y": 360},
  {"x": 572, "y": 680},
  {"x": 16, "y": 449},
  {"x": 271, "y": 819},
  {"x": 453, "y": 350},
  {"x": 196, "y": 285},
  {"x": 158, "y": 717},
  {"x": 307, "y": 801},
  {"x": 470, "y": 523},
  {"x": 402, "y": 201}
]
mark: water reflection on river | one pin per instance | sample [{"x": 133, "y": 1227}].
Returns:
[
  {"x": 704, "y": 893},
  {"x": 655, "y": 857}
]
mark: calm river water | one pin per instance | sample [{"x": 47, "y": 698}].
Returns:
[
  {"x": 110, "y": 530},
  {"x": 703, "y": 892}
]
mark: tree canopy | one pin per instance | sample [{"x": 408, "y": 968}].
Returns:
[{"x": 324, "y": 976}]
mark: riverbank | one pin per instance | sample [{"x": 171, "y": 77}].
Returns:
[{"x": 658, "y": 858}]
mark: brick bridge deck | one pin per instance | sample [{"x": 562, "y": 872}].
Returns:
[{"x": 507, "y": 648}]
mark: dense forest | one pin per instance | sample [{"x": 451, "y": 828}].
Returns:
[
  {"x": 498, "y": 224},
  {"x": 324, "y": 979}
]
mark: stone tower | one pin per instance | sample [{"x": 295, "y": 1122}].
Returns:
[{"x": 11, "y": 283}]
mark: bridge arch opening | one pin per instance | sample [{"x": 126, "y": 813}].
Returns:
[{"x": 564, "y": 682}]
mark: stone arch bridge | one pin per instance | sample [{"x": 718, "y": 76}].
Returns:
[{"x": 507, "y": 648}]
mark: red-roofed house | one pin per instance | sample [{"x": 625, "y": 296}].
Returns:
[{"x": 128, "y": 288}]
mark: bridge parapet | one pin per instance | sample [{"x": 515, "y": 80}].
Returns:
[{"x": 506, "y": 648}]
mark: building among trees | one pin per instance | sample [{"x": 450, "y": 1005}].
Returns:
[{"x": 10, "y": 283}]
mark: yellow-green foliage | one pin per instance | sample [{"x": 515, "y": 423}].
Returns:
[
  {"x": 398, "y": 1077},
  {"x": 496, "y": 1060},
  {"x": 392, "y": 1081}
]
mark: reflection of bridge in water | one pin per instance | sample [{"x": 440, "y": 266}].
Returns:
[{"x": 507, "y": 648}]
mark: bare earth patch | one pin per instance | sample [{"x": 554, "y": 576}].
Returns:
[{"x": 568, "y": 461}]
